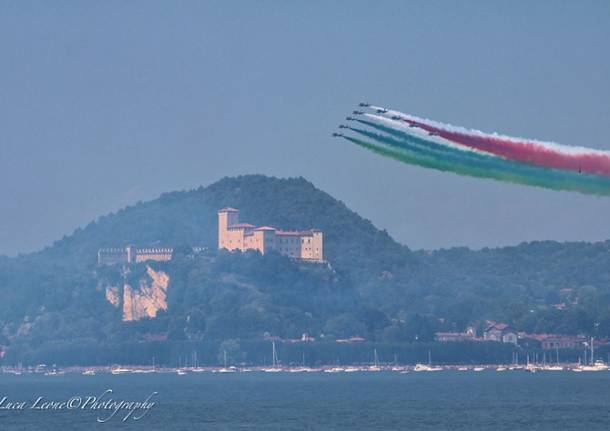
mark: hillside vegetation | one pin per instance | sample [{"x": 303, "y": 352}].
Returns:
[{"x": 53, "y": 303}]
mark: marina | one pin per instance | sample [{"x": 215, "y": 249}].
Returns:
[{"x": 596, "y": 366}]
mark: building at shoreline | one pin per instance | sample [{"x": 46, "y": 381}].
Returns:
[
  {"x": 232, "y": 235},
  {"x": 500, "y": 332}
]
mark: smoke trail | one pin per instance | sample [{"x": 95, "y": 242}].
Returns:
[
  {"x": 540, "y": 153},
  {"x": 397, "y": 129},
  {"x": 414, "y": 151},
  {"x": 458, "y": 129},
  {"x": 412, "y": 158}
]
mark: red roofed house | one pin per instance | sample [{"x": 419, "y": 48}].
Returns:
[
  {"x": 232, "y": 235},
  {"x": 557, "y": 341},
  {"x": 500, "y": 332}
]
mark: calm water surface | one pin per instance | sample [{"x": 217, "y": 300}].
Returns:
[{"x": 368, "y": 401}]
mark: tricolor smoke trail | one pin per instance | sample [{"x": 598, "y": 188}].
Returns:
[
  {"x": 548, "y": 154},
  {"x": 407, "y": 140}
]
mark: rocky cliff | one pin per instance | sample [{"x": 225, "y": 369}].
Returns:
[{"x": 143, "y": 300}]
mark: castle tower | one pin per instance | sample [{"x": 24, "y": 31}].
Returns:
[
  {"x": 317, "y": 247},
  {"x": 233, "y": 235},
  {"x": 132, "y": 253},
  {"x": 226, "y": 218}
]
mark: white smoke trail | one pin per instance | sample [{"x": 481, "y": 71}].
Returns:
[
  {"x": 423, "y": 134},
  {"x": 553, "y": 146}
]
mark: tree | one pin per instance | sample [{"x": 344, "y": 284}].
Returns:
[
  {"x": 374, "y": 320},
  {"x": 343, "y": 326},
  {"x": 397, "y": 333},
  {"x": 231, "y": 350},
  {"x": 420, "y": 328}
]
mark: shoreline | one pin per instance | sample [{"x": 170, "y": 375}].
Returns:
[{"x": 401, "y": 369}]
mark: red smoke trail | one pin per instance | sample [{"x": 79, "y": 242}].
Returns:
[{"x": 524, "y": 151}]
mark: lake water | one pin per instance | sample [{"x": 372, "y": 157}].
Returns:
[{"x": 445, "y": 400}]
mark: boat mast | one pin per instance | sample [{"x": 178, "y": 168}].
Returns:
[{"x": 557, "y": 351}]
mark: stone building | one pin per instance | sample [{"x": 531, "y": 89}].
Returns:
[
  {"x": 500, "y": 332},
  {"x": 232, "y": 235},
  {"x": 131, "y": 254}
]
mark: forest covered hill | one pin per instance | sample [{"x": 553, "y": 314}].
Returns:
[{"x": 54, "y": 306}]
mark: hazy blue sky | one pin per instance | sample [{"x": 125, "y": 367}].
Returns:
[{"x": 109, "y": 102}]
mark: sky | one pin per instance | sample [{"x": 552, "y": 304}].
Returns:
[{"x": 103, "y": 104}]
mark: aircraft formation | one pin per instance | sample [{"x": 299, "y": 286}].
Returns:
[{"x": 436, "y": 145}]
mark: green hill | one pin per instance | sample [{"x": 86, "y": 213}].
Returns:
[
  {"x": 190, "y": 218},
  {"x": 54, "y": 306}
]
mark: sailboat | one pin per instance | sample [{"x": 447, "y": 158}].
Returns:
[
  {"x": 146, "y": 370},
  {"x": 530, "y": 367},
  {"x": 555, "y": 367},
  {"x": 226, "y": 369},
  {"x": 397, "y": 367},
  {"x": 594, "y": 365},
  {"x": 274, "y": 368},
  {"x": 598, "y": 365},
  {"x": 429, "y": 367},
  {"x": 302, "y": 368},
  {"x": 334, "y": 370},
  {"x": 375, "y": 366}
]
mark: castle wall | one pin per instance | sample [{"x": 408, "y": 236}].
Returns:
[
  {"x": 111, "y": 256},
  {"x": 256, "y": 241},
  {"x": 268, "y": 240},
  {"x": 289, "y": 245},
  {"x": 130, "y": 254},
  {"x": 312, "y": 246},
  {"x": 156, "y": 254},
  {"x": 232, "y": 239}
]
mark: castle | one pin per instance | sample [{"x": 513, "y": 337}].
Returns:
[
  {"x": 305, "y": 245},
  {"x": 233, "y": 235}
]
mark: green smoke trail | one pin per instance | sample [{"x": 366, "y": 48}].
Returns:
[
  {"x": 487, "y": 166},
  {"x": 417, "y": 151},
  {"x": 475, "y": 164},
  {"x": 422, "y": 159},
  {"x": 401, "y": 135},
  {"x": 420, "y": 144}
]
